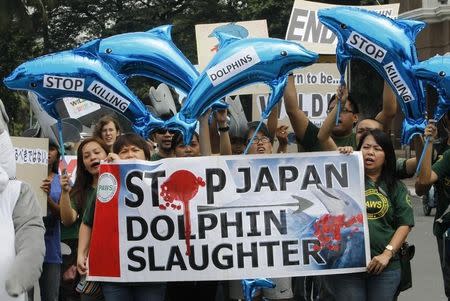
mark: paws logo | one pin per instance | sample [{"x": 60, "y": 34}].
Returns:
[
  {"x": 376, "y": 204},
  {"x": 107, "y": 187}
]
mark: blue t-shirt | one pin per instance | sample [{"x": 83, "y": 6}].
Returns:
[{"x": 52, "y": 224}]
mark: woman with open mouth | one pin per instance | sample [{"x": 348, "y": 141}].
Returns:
[
  {"x": 127, "y": 147},
  {"x": 390, "y": 219},
  {"x": 75, "y": 200}
]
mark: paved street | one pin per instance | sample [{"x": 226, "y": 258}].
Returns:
[{"x": 427, "y": 278}]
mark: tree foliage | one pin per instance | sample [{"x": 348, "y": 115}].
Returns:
[{"x": 30, "y": 28}]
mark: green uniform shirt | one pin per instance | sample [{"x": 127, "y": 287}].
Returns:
[
  {"x": 310, "y": 142},
  {"x": 400, "y": 168},
  {"x": 349, "y": 140},
  {"x": 442, "y": 169},
  {"x": 155, "y": 157},
  {"x": 88, "y": 216},
  {"x": 71, "y": 232},
  {"x": 385, "y": 214}
]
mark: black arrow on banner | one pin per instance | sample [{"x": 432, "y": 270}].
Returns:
[{"x": 301, "y": 203}]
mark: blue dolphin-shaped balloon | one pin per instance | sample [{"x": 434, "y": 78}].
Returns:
[
  {"x": 436, "y": 71},
  {"x": 251, "y": 286},
  {"x": 149, "y": 54},
  {"x": 238, "y": 63},
  {"x": 389, "y": 46},
  {"x": 80, "y": 73}
]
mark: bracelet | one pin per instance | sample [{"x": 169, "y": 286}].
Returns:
[{"x": 224, "y": 129}]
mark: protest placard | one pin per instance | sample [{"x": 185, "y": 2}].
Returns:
[
  {"x": 230, "y": 217},
  {"x": 315, "y": 85},
  {"x": 77, "y": 107},
  {"x": 304, "y": 25},
  {"x": 31, "y": 156},
  {"x": 207, "y": 45}
]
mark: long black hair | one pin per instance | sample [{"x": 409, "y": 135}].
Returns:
[
  {"x": 388, "y": 171},
  {"x": 84, "y": 179}
]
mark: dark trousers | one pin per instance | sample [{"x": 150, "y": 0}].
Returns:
[
  {"x": 445, "y": 265},
  {"x": 192, "y": 290}
]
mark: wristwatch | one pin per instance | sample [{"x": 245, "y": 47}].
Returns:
[{"x": 390, "y": 248}]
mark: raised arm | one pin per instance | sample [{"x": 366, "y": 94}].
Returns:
[
  {"x": 223, "y": 128},
  {"x": 427, "y": 176},
  {"x": 324, "y": 135},
  {"x": 205, "y": 140},
  {"x": 282, "y": 137},
  {"x": 389, "y": 110},
  {"x": 297, "y": 117},
  {"x": 272, "y": 122},
  {"x": 68, "y": 214}
]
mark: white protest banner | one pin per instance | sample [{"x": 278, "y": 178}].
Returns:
[
  {"x": 229, "y": 217},
  {"x": 77, "y": 107},
  {"x": 31, "y": 156},
  {"x": 304, "y": 25}
]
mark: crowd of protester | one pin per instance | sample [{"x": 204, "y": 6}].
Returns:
[{"x": 71, "y": 206}]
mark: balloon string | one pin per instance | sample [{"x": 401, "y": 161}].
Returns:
[
  {"x": 250, "y": 142},
  {"x": 61, "y": 144},
  {"x": 339, "y": 100},
  {"x": 424, "y": 149},
  {"x": 338, "y": 112},
  {"x": 419, "y": 165}
]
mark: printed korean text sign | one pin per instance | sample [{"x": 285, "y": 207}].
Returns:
[{"x": 230, "y": 217}]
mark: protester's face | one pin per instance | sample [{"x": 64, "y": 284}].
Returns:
[
  {"x": 93, "y": 153},
  {"x": 191, "y": 150},
  {"x": 261, "y": 144},
  {"x": 109, "y": 133},
  {"x": 163, "y": 138},
  {"x": 365, "y": 126},
  {"x": 52, "y": 155},
  {"x": 237, "y": 145},
  {"x": 129, "y": 152},
  {"x": 346, "y": 119},
  {"x": 373, "y": 155}
]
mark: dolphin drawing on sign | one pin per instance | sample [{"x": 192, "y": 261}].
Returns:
[
  {"x": 336, "y": 201},
  {"x": 231, "y": 29},
  {"x": 389, "y": 46},
  {"x": 436, "y": 71},
  {"x": 80, "y": 73},
  {"x": 149, "y": 54},
  {"x": 238, "y": 63}
]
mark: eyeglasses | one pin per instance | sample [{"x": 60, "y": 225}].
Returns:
[
  {"x": 343, "y": 110},
  {"x": 162, "y": 131},
  {"x": 263, "y": 139},
  {"x": 363, "y": 130}
]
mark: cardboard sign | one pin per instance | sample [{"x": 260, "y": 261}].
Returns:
[
  {"x": 315, "y": 85},
  {"x": 77, "y": 107},
  {"x": 305, "y": 27},
  {"x": 207, "y": 46},
  {"x": 31, "y": 164}
]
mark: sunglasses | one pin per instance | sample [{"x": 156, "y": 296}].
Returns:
[{"x": 162, "y": 131}]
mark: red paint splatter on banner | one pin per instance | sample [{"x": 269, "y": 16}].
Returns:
[
  {"x": 181, "y": 187},
  {"x": 328, "y": 228}
]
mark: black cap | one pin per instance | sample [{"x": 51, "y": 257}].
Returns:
[{"x": 252, "y": 126}]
